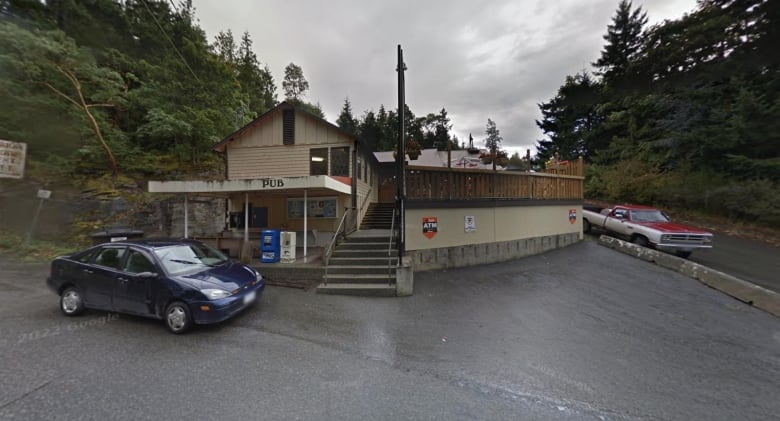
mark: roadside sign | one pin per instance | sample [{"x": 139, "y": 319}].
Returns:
[
  {"x": 44, "y": 194},
  {"x": 572, "y": 216},
  {"x": 12, "y": 156}
]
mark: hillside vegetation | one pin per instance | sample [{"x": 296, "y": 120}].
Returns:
[{"x": 682, "y": 114}]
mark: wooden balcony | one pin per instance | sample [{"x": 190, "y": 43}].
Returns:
[{"x": 561, "y": 181}]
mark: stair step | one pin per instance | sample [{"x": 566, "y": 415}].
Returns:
[
  {"x": 365, "y": 246},
  {"x": 364, "y": 253},
  {"x": 377, "y": 277},
  {"x": 374, "y": 290},
  {"x": 363, "y": 260},
  {"x": 382, "y": 239},
  {"x": 361, "y": 270}
]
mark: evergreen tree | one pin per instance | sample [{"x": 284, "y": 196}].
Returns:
[
  {"x": 346, "y": 120},
  {"x": 294, "y": 83},
  {"x": 624, "y": 41},
  {"x": 493, "y": 136}
]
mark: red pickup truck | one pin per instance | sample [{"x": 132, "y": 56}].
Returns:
[{"x": 646, "y": 226}]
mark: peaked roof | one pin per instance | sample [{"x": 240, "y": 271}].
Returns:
[{"x": 220, "y": 147}]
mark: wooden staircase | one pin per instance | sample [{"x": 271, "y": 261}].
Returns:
[
  {"x": 361, "y": 265},
  {"x": 378, "y": 216}
]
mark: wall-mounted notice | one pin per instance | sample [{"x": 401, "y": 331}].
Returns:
[
  {"x": 12, "y": 155},
  {"x": 318, "y": 207},
  {"x": 470, "y": 223}
]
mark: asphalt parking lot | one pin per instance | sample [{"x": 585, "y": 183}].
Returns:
[{"x": 579, "y": 333}]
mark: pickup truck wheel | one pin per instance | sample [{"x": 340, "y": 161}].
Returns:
[
  {"x": 585, "y": 226},
  {"x": 683, "y": 254},
  {"x": 640, "y": 241}
]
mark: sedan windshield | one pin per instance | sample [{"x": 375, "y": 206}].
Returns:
[
  {"x": 649, "y": 216},
  {"x": 189, "y": 257}
]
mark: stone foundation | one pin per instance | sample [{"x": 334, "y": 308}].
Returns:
[{"x": 479, "y": 254}]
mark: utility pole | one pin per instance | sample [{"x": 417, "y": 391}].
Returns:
[{"x": 401, "y": 181}]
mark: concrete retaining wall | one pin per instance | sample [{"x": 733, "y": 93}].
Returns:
[
  {"x": 744, "y": 291},
  {"x": 478, "y": 254}
]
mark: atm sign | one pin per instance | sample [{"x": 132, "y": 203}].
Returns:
[{"x": 430, "y": 226}]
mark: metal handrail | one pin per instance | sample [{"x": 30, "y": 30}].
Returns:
[
  {"x": 390, "y": 247},
  {"x": 329, "y": 250}
]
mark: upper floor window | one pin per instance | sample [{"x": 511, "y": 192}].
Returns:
[
  {"x": 288, "y": 127},
  {"x": 318, "y": 161},
  {"x": 340, "y": 164}
]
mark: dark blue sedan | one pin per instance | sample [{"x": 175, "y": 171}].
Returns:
[{"x": 182, "y": 282}]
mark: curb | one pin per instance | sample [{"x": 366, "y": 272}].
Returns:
[{"x": 744, "y": 291}]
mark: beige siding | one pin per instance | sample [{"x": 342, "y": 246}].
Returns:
[
  {"x": 492, "y": 225},
  {"x": 260, "y": 152},
  {"x": 308, "y": 131},
  {"x": 271, "y": 161}
]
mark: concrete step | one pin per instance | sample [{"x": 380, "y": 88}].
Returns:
[
  {"x": 363, "y": 260},
  {"x": 363, "y": 240},
  {"x": 376, "y": 253},
  {"x": 363, "y": 246},
  {"x": 360, "y": 270},
  {"x": 372, "y": 290},
  {"x": 346, "y": 278}
]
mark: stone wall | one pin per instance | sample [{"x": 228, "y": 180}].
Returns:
[{"x": 71, "y": 212}]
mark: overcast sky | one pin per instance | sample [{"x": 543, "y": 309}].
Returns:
[{"x": 492, "y": 59}]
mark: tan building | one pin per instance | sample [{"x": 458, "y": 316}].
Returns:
[{"x": 293, "y": 171}]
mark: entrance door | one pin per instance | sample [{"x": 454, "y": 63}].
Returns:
[
  {"x": 387, "y": 192},
  {"x": 259, "y": 218}
]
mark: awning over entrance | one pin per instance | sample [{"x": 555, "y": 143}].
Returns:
[
  {"x": 305, "y": 186},
  {"x": 279, "y": 184}
]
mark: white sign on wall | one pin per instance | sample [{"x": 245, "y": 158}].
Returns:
[
  {"x": 470, "y": 223},
  {"x": 12, "y": 155}
]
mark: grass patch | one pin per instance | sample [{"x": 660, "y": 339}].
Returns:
[{"x": 15, "y": 245}]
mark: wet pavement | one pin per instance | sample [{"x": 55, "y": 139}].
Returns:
[{"x": 579, "y": 333}]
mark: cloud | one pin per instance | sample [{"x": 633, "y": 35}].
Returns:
[{"x": 479, "y": 60}]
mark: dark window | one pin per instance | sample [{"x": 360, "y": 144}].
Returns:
[
  {"x": 137, "y": 263},
  {"x": 340, "y": 164},
  {"x": 288, "y": 127},
  {"x": 319, "y": 161},
  {"x": 110, "y": 257}
]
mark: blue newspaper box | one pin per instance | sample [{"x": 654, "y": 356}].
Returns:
[{"x": 270, "y": 246}]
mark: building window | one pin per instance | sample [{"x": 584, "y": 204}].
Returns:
[
  {"x": 318, "y": 161},
  {"x": 288, "y": 127},
  {"x": 340, "y": 158}
]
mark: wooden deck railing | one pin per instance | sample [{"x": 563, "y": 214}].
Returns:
[{"x": 560, "y": 182}]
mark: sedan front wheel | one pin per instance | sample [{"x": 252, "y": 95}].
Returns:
[{"x": 178, "y": 318}]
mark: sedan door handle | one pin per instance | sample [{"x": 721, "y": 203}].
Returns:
[
  {"x": 88, "y": 271},
  {"x": 122, "y": 280}
]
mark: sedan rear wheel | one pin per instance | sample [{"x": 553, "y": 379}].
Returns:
[
  {"x": 71, "y": 302},
  {"x": 178, "y": 318}
]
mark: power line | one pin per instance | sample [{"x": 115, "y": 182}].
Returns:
[{"x": 169, "y": 40}]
